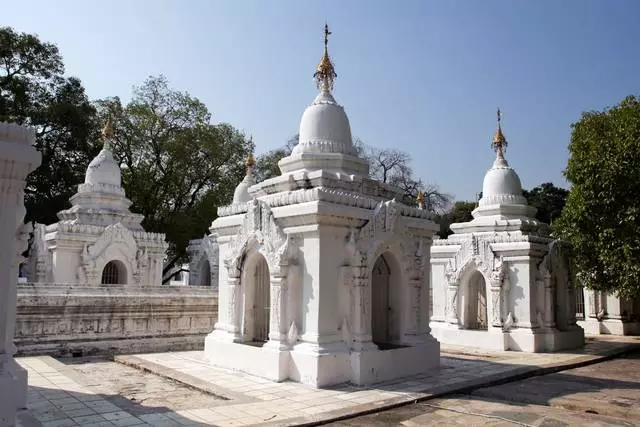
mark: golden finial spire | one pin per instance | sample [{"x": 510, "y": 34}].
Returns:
[
  {"x": 420, "y": 199},
  {"x": 250, "y": 162},
  {"x": 325, "y": 73},
  {"x": 108, "y": 133},
  {"x": 499, "y": 143}
]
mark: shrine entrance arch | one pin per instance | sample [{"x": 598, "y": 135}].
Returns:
[
  {"x": 255, "y": 282},
  {"x": 386, "y": 310}
]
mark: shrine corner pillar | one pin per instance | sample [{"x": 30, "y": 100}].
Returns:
[{"x": 18, "y": 157}]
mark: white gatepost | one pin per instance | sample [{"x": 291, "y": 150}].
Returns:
[{"x": 17, "y": 159}]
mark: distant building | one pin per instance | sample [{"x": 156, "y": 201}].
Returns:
[{"x": 98, "y": 240}]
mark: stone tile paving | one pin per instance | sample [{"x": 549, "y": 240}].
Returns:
[
  {"x": 609, "y": 388},
  {"x": 473, "y": 411},
  {"x": 57, "y": 398}
]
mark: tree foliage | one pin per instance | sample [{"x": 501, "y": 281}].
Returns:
[
  {"x": 177, "y": 167},
  {"x": 460, "y": 212},
  {"x": 34, "y": 92},
  {"x": 548, "y": 199},
  {"x": 267, "y": 164},
  {"x": 602, "y": 215}
]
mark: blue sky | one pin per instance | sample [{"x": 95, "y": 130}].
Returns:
[{"x": 423, "y": 76}]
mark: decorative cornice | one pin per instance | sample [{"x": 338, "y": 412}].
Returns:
[
  {"x": 65, "y": 229},
  {"x": 503, "y": 199},
  {"x": 324, "y": 146},
  {"x": 331, "y": 195},
  {"x": 494, "y": 238}
]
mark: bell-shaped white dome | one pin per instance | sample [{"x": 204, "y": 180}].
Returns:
[
  {"x": 324, "y": 127},
  {"x": 103, "y": 169},
  {"x": 502, "y": 185}
]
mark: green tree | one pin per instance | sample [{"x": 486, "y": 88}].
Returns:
[
  {"x": 177, "y": 167},
  {"x": 548, "y": 199},
  {"x": 34, "y": 92},
  {"x": 267, "y": 164},
  {"x": 460, "y": 212},
  {"x": 602, "y": 215}
]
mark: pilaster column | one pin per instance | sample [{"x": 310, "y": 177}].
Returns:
[
  {"x": 497, "y": 314},
  {"x": 234, "y": 318},
  {"x": 362, "y": 310},
  {"x": 549, "y": 303},
  {"x": 571, "y": 304},
  {"x": 17, "y": 159},
  {"x": 591, "y": 303},
  {"x": 453, "y": 317},
  {"x": 278, "y": 313},
  {"x": 413, "y": 312}
]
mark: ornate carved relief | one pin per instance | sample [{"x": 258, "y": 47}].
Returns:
[
  {"x": 375, "y": 232},
  {"x": 259, "y": 227},
  {"x": 476, "y": 254},
  {"x": 93, "y": 255},
  {"x": 39, "y": 263},
  {"x": 201, "y": 251}
]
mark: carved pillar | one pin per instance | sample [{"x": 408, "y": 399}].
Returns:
[
  {"x": 453, "y": 317},
  {"x": 361, "y": 309},
  {"x": 234, "y": 318},
  {"x": 413, "y": 310},
  {"x": 17, "y": 159},
  {"x": 549, "y": 302},
  {"x": 497, "y": 315},
  {"x": 571, "y": 304},
  {"x": 592, "y": 308},
  {"x": 504, "y": 298},
  {"x": 278, "y": 313}
]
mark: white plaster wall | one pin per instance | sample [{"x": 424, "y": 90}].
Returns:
[
  {"x": 522, "y": 299},
  {"x": 439, "y": 288},
  {"x": 321, "y": 277},
  {"x": 332, "y": 254},
  {"x": 65, "y": 265},
  {"x": 223, "y": 289}
]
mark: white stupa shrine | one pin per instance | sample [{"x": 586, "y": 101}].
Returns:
[
  {"x": 98, "y": 240},
  {"x": 500, "y": 282},
  {"x": 203, "y": 261},
  {"x": 323, "y": 274}
]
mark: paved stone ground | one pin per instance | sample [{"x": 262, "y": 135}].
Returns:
[
  {"x": 463, "y": 410},
  {"x": 603, "y": 394},
  {"x": 99, "y": 393}
]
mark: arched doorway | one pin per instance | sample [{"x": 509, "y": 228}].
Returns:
[
  {"x": 205, "y": 273},
  {"x": 380, "y": 281},
  {"x": 385, "y": 302},
  {"x": 114, "y": 273},
  {"x": 257, "y": 301},
  {"x": 476, "y": 304}
]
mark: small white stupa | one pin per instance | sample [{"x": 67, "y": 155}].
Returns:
[
  {"x": 323, "y": 275},
  {"x": 98, "y": 240},
  {"x": 500, "y": 281}
]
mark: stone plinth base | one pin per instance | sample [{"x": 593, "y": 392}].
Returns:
[
  {"x": 593, "y": 326},
  {"x": 262, "y": 362},
  {"x": 371, "y": 367},
  {"x": 66, "y": 320},
  {"x": 321, "y": 367},
  {"x": 525, "y": 340}
]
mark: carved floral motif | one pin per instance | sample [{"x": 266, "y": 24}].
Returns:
[
  {"x": 259, "y": 227},
  {"x": 200, "y": 251},
  {"x": 93, "y": 255},
  {"x": 476, "y": 254}
]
